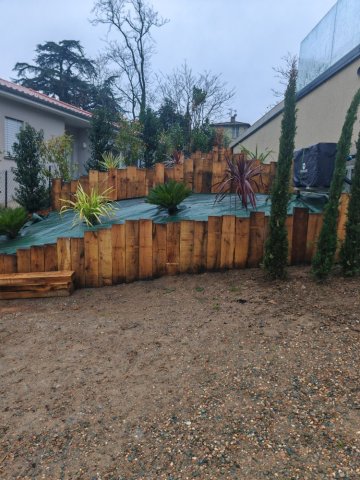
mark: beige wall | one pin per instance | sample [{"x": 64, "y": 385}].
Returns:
[{"x": 320, "y": 116}]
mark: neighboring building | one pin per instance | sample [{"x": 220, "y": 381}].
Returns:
[
  {"x": 19, "y": 105},
  {"x": 232, "y": 129},
  {"x": 329, "y": 76}
]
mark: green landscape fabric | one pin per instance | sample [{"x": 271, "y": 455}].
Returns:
[{"x": 196, "y": 207}]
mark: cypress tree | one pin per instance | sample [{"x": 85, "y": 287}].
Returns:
[
  {"x": 326, "y": 248},
  {"x": 101, "y": 137},
  {"x": 276, "y": 247},
  {"x": 31, "y": 193},
  {"x": 350, "y": 250}
]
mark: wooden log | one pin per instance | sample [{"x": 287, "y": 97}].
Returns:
[
  {"x": 23, "y": 260},
  {"x": 141, "y": 182},
  {"x": 105, "y": 257},
  {"x": 91, "y": 246},
  {"x": 121, "y": 184},
  {"x": 179, "y": 172},
  {"x": 94, "y": 180},
  {"x": 300, "y": 227},
  {"x": 103, "y": 182},
  {"x": 227, "y": 251},
  {"x": 256, "y": 240},
  {"x": 218, "y": 172},
  {"x": 159, "y": 249},
  {"x": 65, "y": 193},
  {"x": 131, "y": 184},
  {"x": 56, "y": 193},
  {"x": 50, "y": 258},
  {"x": 36, "y": 284},
  {"x": 200, "y": 246},
  {"x": 242, "y": 238},
  {"x": 188, "y": 172},
  {"x": 173, "y": 248},
  {"x": 8, "y": 263},
  {"x": 145, "y": 249},
  {"x": 118, "y": 253},
  {"x": 159, "y": 176},
  {"x": 77, "y": 247},
  {"x": 186, "y": 246},
  {"x": 315, "y": 222},
  {"x": 289, "y": 228},
  {"x": 214, "y": 243},
  {"x": 113, "y": 184},
  {"x": 132, "y": 250},
  {"x": 37, "y": 259},
  {"x": 63, "y": 254},
  {"x": 149, "y": 180}
]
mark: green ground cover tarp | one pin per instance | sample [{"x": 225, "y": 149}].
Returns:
[{"x": 196, "y": 207}]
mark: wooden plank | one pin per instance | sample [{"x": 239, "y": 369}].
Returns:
[
  {"x": 173, "y": 248},
  {"x": 23, "y": 260},
  {"x": 289, "y": 228},
  {"x": 198, "y": 175},
  {"x": 188, "y": 172},
  {"x": 300, "y": 227},
  {"x": 105, "y": 257},
  {"x": 149, "y": 180},
  {"x": 36, "y": 284},
  {"x": 9, "y": 264},
  {"x": 186, "y": 246},
  {"x": 242, "y": 237},
  {"x": 145, "y": 249},
  {"x": 63, "y": 254},
  {"x": 218, "y": 171},
  {"x": 159, "y": 176},
  {"x": 65, "y": 193},
  {"x": 118, "y": 253},
  {"x": 207, "y": 167},
  {"x": 113, "y": 184},
  {"x": 179, "y": 172},
  {"x": 214, "y": 243},
  {"x": 159, "y": 249},
  {"x": 37, "y": 259},
  {"x": 256, "y": 240},
  {"x": 103, "y": 182},
  {"x": 91, "y": 256},
  {"x": 227, "y": 251},
  {"x": 131, "y": 186},
  {"x": 141, "y": 182},
  {"x": 50, "y": 258},
  {"x": 73, "y": 188},
  {"x": 78, "y": 261},
  {"x": 121, "y": 184},
  {"x": 94, "y": 180},
  {"x": 200, "y": 246},
  {"x": 131, "y": 250},
  {"x": 315, "y": 222},
  {"x": 56, "y": 193}
]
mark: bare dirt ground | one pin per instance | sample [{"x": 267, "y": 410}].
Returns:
[{"x": 212, "y": 376}]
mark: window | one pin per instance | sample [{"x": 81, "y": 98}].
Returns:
[{"x": 12, "y": 128}]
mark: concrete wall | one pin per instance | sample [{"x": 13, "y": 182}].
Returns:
[{"x": 320, "y": 116}]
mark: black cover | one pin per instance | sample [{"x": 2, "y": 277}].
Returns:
[{"x": 314, "y": 165}]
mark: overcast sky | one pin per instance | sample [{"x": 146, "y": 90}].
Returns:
[{"x": 241, "y": 39}]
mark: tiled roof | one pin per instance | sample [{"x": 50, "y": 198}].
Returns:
[{"x": 39, "y": 97}]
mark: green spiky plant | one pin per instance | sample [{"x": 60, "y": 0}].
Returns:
[
  {"x": 276, "y": 247},
  {"x": 109, "y": 160},
  {"x": 257, "y": 155},
  {"x": 12, "y": 220},
  {"x": 89, "y": 208},
  {"x": 326, "y": 247},
  {"x": 350, "y": 249},
  {"x": 169, "y": 195}
]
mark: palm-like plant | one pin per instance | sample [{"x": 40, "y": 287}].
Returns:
[
  {"x": 12, "y": 220},
  {"x": 169, "y": 195},
  {"x": 109, "y": 160},
  {"x": 261, "y": 156},
  {"x": 89, "y": 208},
  {"x": 242, "y": 175}
]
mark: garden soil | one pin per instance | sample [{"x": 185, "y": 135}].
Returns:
[{"x": 211, "y": 376}]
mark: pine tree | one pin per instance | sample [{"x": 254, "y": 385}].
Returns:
[
  {"x": 276, "y": 247},
  {"x": 31, "y": 193},
  {"x": 327, "y": 243},
  {"x": 350, "y": 250}
]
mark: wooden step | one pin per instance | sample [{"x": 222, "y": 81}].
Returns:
[{"x": 36, "y": 284}]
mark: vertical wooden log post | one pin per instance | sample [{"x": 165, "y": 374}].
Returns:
[
  {"x": 256, "y": 240},
  {"x": 91, "y": 258},
  {"x": 173, "y": 248},
  {"x": 186, "y": 245},
  {"x": 159, "y": 249},
  {"x": 145, "y": 249},
  {"x": 227, "y": 254},
  {"x": 118, "y": 240},
  {"x": 132, "y": 250},
  {"x": 300, "y": 228},
  {"x": 214, "y": 243}
]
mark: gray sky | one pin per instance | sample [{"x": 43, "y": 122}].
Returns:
[{"x": 242, "y": 39}]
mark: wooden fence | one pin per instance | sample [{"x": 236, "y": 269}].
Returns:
[
  {"x": 200, "y": 173},
  {"x": 141, "y": 249}
]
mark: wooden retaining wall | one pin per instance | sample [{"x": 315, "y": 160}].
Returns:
[
  {"x": 201, "y": 172},
  {"x": 141, "y": 249}
]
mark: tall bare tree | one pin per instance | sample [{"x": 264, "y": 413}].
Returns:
[{"x": 133, "y": 20}]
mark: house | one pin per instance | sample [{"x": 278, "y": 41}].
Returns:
[
  {"x": 19, "y": 105},
  {"x": 231, "y": 129},
  {"x": 329, "y": 76}
]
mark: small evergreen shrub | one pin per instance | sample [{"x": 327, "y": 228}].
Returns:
[
  {"x": 89, "y": 208},
  {"x": 169, "y": 195},
  {"x": 12, "y": 220},
  {"x": 326, "y": 247},
  {"x": 109, "y": 160},
  {"x": 32, "y": 193},
  {"x": 276, "y": 247},
  {"x": 350, "y": 250}
]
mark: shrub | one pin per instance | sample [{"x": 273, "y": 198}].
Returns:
[
  {"x": 276, "y": 247},
  {"x": 101, "y": 137},
  {"x": 31, "y": 193},
  {"x": 242, "y": 175},
  {"x": 169, "y": 195},
  {"x": 57, "y": 152},
  {"x": 89, "y": 208},
  {"x": 12, "y": 220},
  {"x": 350, "y": 250},
  {"x": 327, "y": 243},
  {"x": 109, "y": 160}
]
